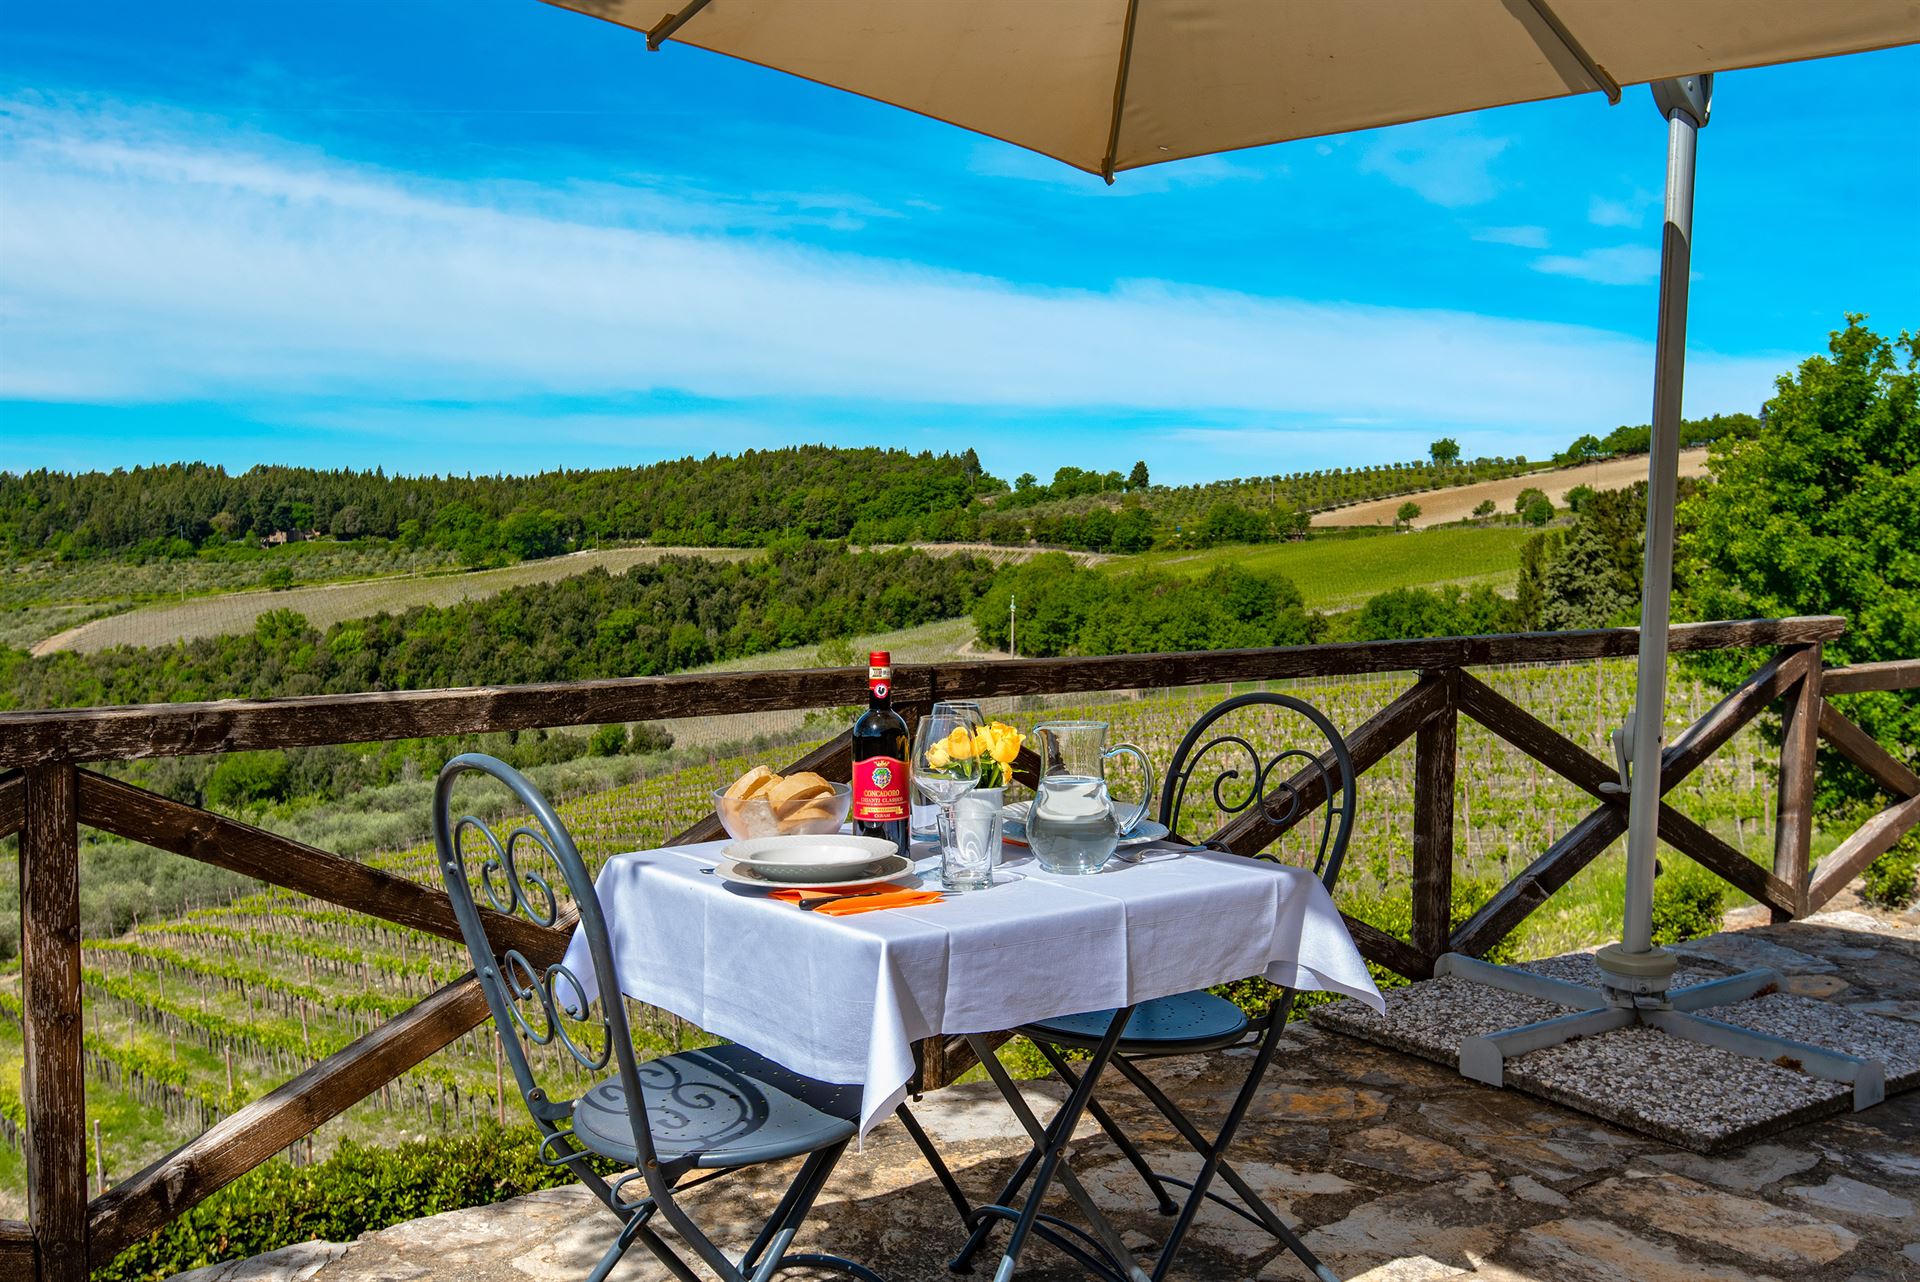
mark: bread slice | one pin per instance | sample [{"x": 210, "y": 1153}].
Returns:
[
  {"x": 752, "y": 783},
  {"x": 796, "y": 790}
]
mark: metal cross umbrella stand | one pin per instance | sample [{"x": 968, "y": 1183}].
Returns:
[{"x": 1634, "y": 973}]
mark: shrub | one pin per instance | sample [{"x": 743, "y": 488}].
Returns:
[
  {"x": 359, "y": 1189},
  {"x": 608, "y": 741},
  {"x": 1892, "y": 880},
  {"x": 646, "y": 736},
  {"x": 1688, "y": 902},
  {"x": 249, "y": 778}
]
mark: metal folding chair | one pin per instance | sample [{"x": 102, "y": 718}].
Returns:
[
  {"x": 1288, "y": 785},
  {"x": 711, "y": 1111}
]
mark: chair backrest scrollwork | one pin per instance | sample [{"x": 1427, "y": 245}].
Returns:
[
  {"x": 1286, "y": 784},
  {"x": 531, "y": 874}
]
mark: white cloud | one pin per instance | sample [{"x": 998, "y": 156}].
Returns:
[
  {"x": 1525, "y": 237},
  {"x": 1615, "y": 265},
  {"x": 1438, "y": 162},
  {"x": 1603, "y": 211},
  {"x": 144, "y": 264}
]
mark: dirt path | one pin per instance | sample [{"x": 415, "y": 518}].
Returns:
[{"x": 1438, "y": 507}]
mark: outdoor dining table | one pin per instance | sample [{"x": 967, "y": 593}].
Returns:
[{"x": 844, "y": 998}]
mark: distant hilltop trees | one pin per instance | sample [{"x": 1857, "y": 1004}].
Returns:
[
  {"x": 745, "y": 500},
  {"x": 760, "y": 497},
  {"x": 1639, "y": 439}
]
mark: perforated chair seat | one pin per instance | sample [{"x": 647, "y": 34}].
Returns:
[
  {"x": 720, "y": 1107},
  {"x": 1184, "y": 1024}
]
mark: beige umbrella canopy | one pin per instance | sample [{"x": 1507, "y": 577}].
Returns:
[{"x": 1108, "y": 85}]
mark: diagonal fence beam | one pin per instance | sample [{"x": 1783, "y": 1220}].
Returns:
[
  {"x": 1579, "y": 845},
  {"x": 1871, "y": 840},
  {"x": 1391, "y": 951},
  {"x": 153, "y": 820},
  {"x": 1564, "y": 757},
  {"x": 1517, "y": 900},
  {"x": 244, "y": 1139},
  {"x": 1866, "y": 752}
]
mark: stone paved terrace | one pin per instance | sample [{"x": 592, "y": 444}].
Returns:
[{"x": 1397, "y": 1170}]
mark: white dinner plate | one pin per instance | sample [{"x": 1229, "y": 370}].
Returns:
[
  {"x": 892, "y": 868},
  {"x": 803, "y": 859}
]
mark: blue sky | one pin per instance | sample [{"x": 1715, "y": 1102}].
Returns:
[{"x": 494, "y": 235}]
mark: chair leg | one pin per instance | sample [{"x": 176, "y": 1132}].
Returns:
[
  {"x": 1058, "y": 1134},
  {"x": 1213, "y": 1156},
  {"x": 938, "y": 1164},
  {"x": 786, "y": 1219},
  {"x": 1112, "y": 1128},
  {"x": 637, "y": 1229}
]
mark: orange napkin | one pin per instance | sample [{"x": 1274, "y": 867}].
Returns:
[{"x": 865, "y": 902}]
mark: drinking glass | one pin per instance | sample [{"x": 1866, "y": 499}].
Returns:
[
  {"x": 946, "y": 767},
  {"x": 970, "y": 843}
]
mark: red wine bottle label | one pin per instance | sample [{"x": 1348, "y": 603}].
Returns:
[
  {"x": 879, "y": 681},
  {"x": 879, "y": 790}
]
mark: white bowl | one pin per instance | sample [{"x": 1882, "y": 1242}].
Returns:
[{"x": 809, "y": 858}]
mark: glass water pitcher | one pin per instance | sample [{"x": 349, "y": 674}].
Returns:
[{"x": 1073, "y": 824}]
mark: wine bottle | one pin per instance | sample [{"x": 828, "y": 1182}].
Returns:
[{"x": 880, "y": 751}]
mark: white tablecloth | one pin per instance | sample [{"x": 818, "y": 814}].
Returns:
[{"x": 842, "y": 999}]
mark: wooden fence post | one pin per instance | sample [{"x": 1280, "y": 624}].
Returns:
[
  {"x": 1793, "y": 820},
  {"x": 50, "y": 970},
  {"x": 1434, "y": 751}
]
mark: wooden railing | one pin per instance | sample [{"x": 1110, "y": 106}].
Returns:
[{"x": 47, "y": 797}]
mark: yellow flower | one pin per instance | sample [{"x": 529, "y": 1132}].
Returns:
[
  {"x": 937, "y": 756},
  {"x": 1002, "y": 741},
  {"x": 959, "y": 744}
]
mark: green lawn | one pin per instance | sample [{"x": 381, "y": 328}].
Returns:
[{"x": 1339, "y": 573}]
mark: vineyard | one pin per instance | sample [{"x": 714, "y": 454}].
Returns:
[
  {"x": 190, "y": 1016},
  {"x": 1339, "y": 573},
  {"x": 326, "y": 604}
]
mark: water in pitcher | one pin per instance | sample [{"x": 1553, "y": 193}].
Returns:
[{"x": 1072, "y": 827}]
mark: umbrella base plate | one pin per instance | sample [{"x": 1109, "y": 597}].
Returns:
[{"x": 1612, "y": 1006}]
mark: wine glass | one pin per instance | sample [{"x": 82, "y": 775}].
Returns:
[{"x": 946, "y": 767}]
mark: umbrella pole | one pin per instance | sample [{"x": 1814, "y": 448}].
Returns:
[
  {"x": 1636, "y": 976},
  {"x": 1634, "y": 965}
]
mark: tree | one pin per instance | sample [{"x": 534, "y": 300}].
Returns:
[
  {"x": 1583, "y": 586},
  {"x": 1818, "y": 512},
  {"x": 1579, "y": 497},
  {"x": 533, "y": 535},
  {"x": 1587, "y": 448},
  {"x": 1538, "y": 512},
  {"x": 1523, "y": 500},
  {"x": 1484, "y": 508},
  {"x": 1230, "y": 523},
  {"x": 1137, "y": 479},
  {"x": 1409, "y": 513},
  {"x": 1445, "y": 451}
]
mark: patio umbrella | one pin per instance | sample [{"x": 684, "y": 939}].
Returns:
[{"x": 1112, "y": 85}]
